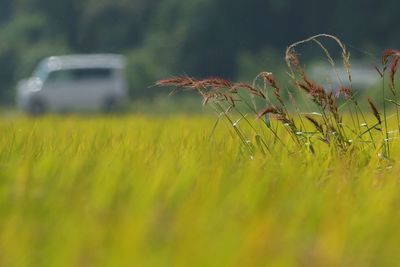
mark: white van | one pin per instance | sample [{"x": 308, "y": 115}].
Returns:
[{"x": 74, "y": 83}]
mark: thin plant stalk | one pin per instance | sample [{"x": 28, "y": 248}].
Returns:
[{"x": 386, "y": 140}]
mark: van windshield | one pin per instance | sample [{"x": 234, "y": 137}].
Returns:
[
  {"x": 41, "y": 72},
  {"x": 79, "y": 75}
]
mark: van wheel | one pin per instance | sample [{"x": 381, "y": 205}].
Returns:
[
  {"x": 110, "y": 105},
  {"x": 37, "y": 108}
]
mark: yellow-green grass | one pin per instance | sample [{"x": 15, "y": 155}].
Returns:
[{"x": 148, "y": 191}]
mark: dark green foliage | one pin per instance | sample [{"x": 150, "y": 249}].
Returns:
[{"x": 176, "y": 37}]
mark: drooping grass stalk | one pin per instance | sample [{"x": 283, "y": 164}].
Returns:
[
  {"x": 397, "y": 112},
  {"x": 394, "y": 92},
  {"x": 237, "y": 130},
  {"x": 386, "y": 133},
  {"x": 369, "y": 129},
  {"x": 365, "y": 122},
  {"x": 332, "y": 126},
  {"x": 355, "y": 124},
  {"x": 346, "y": 64},
  {"x": 273, "y": 131},
  {"x": 252, "y": 127}
]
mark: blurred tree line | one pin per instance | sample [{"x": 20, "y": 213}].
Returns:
[{"x": 175, "y": 37}]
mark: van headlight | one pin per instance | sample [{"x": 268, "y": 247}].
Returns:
[{"x": 29, "y": 86}]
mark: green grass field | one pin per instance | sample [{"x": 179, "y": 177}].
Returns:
[{"x": 152, "y": 191}]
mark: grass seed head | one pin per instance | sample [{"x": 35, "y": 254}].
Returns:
[
  {"x": 316, "y": 124},
  {"x": 393, "y": 70},
  {"x": 249, "y": 88},
  {"x": 269, "y": 78},
  {"x": 388, "y": 54},
  {"x": 268, "y": 110},
  {"x": 214, "y": 83},
  {"x": 375, "y": 110},
  {"x": 346, "y": 92},
  {"x": 179, "y": 82}
]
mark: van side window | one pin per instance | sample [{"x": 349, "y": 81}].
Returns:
[
  {"x": 92, "y": 74},
  {"x": 60, "y": 76},
  {"x": 79, "y": 75}
]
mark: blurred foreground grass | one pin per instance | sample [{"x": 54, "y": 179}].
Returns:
[{"x": 148, "y": 191}]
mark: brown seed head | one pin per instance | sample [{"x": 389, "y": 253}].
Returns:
[
  {"x": 375, "y": 110},
  {"x": 178, "y": 82},
  {"x": 214, "y": 83},
  {"x": 315, "y": 90},
  {"x": 292, "y": 59},
  {"x": 393, "y": 70},
  {"x": 346, "y": 92},
  {"x": 269, "y": 110},
  {"x": 269, "y": 78},
  {"x": 316, "y": 124},
  {"x": 389, "y": 53},
  {"x": 249, "y": 88}
]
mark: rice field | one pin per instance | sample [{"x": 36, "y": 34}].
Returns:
[{"x": 165, "y": 191}]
